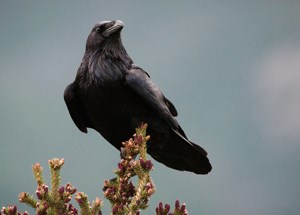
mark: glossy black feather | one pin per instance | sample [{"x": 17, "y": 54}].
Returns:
[{"x": 114, "y": 96}]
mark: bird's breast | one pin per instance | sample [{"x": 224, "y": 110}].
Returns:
[
  {"x": 96, "y": 72},
  {"x": 115, "y": 109}
]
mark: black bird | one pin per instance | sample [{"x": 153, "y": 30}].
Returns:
[{"x": 114, "y": 96}]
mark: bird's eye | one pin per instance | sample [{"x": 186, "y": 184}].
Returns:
[{"x": 99, "y": 29}]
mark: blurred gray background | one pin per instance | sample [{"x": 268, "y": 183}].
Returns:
[{"x": 232, "y": 69}]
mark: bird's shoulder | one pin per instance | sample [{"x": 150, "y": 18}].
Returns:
[{"x": 139, "y": 80}]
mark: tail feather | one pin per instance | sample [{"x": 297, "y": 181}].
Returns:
[{"x": 181, "y": 154}]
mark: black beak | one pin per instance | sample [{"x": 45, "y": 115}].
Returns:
[{"x": 117, "y": 26}]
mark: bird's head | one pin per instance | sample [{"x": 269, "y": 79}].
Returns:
[{"x": 103, "y": 32}]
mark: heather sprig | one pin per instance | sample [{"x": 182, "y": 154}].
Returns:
[
  {"x": 165, "y": 209},
  {"x": 123, "y": 195},
  {"x": 11, "y": 210},
  {"x": 56, "y": 200}
]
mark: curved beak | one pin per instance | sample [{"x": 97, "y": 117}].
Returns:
[{"x": 117, "y": 26}]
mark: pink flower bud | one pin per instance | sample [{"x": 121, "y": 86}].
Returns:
[
  {"x": 22, "y": 196},
  {"x": 46, "y": 206},
  {"x": 177, "y": 205},
  {"x": 72, "y": 209},
  {"x": 98, "y": 202},
  {"x": 68, "y": 199},
  {"x": 160, "y": 207},
  {"x": 12, "y": 209},
  {"x": 71, "y": 189},
  {"x": 167, "y": 208},
  {"x": 61, "y": 190},
  {"x": 182, "y": 209},
  {"x": 121, "y": 167},
  {"x": 146, "y": 165},
  {"x": 45, "y": 188},
  {"x": 114, "y": 209},
  {"x": 3, "y": 210},
  {"x": 38, "y": 194},
  {"x": 138, "y": 139}
]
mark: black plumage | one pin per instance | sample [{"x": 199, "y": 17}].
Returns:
[{"x": 114, "y": 96}]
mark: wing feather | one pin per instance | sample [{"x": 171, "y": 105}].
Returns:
[
  {"x": 76, "y": 109},
  {"x": 139, "y": 81}
]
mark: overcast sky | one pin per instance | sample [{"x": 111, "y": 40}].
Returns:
[{"x": 231, "y": 68}]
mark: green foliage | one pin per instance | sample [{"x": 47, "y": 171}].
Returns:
[{"x": 123, "y": 195}]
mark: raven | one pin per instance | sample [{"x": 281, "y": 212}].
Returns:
[{"x": 113, "y": 95}]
